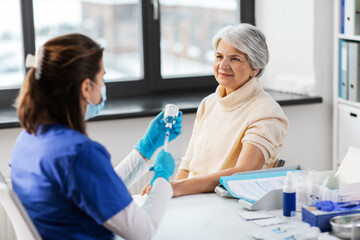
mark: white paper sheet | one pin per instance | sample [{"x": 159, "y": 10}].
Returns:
[
  {"x": 349, "y": 168},
  {"x": 254, "y": 189}
]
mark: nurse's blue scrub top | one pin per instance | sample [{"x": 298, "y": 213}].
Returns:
[{"x": 66, "y": 183}]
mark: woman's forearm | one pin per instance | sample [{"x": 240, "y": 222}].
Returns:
[
  {"x": 201, "y": 184},
  {"x": 251, "y": 158}
]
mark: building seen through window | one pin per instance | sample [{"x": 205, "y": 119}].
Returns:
[
  {"x": 11, "y": 52},
  {"x": 112, "y": 23},
  {"x": 186, "y": 30}
]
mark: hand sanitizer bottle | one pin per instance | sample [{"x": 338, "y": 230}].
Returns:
[{"x": 289, "y": 196}]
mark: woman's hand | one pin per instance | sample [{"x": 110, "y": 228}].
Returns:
[
  {"x": 164, "y": 166},
  {"x": 182, "y": 174},
  {"x": 155, "y": 135},
  {"x": 146, "y": 189}
]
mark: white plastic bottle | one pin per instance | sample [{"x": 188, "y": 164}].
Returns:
[
  {"x": 309, "y": 188},
  {"x": 289, "y": 196},
  {"x": 300, "y": 196}
]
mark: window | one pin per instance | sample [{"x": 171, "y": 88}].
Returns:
[
  {"x": 11, "y": 55},
  {"x": 185, "y": 48},
  {"x": 150, "y": 45},
  {"x": 113, "y": 24}
]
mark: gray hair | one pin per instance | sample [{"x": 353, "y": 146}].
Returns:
[{"x": 249, "y": 40}]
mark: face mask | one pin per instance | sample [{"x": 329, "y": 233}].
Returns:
[{"x": 93, "y": 110}]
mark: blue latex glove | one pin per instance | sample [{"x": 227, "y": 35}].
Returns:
[
  {"x": 330, "y": 206},
  {"x": 326, "y": 206},
  {"x": 164, "y": 166},
  {"x": 155, "y": 135}
]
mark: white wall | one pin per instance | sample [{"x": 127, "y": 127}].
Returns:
[
  {"x": 306, "y": 55},
  {"x": 300, "y": 39},
  {"x": 308, "y": 142},
  {"x": 289, "y": 30},
  {"x": 300, "y": 36},
  {"x": 7, "y": 141}
]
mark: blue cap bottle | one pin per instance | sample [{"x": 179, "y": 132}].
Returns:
[{"x": 289, "y": 196}]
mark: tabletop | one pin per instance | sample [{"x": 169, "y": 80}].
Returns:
[
  {"x": 209, "y": 216},
  {"x": 204, "y": 216}
]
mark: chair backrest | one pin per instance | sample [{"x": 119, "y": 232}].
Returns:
[
  {"x": 23, "y": 226},
  {"x": 2, "y": 178},
  {"x": 279, "y": 163}
]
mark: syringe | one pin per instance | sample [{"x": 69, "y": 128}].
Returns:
[{"x": 171, "y": 111}]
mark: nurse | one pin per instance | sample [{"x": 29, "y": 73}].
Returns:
[{"x": 64, "y": 179}]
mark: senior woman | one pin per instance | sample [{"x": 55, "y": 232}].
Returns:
[{"x": 239, "y": 127}]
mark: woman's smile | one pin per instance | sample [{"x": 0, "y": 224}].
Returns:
[{"x": 224, "y": 75}]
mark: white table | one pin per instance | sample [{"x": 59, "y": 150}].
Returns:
[
  {"x": 204, "y": 216},
  {"x": 208, "y": 217}
]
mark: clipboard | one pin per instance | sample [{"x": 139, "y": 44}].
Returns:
[{"x": 271, "y": 200}]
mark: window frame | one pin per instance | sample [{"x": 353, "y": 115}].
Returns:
[{"x": 152, "y": 82}]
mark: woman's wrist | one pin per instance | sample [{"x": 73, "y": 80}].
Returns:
[{"x": 176, "y": 188}]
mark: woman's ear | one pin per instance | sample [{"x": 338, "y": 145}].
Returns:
[
  {"x": 255, "y": 72},
  {"x": 85, "y": 88}
]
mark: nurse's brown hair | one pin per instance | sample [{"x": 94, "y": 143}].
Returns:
[{"x": 55, "y": 96}]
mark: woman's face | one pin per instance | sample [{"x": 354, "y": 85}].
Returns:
[
  {"x": 231, "y": 67},
  {"x": 99, "y": 81}
]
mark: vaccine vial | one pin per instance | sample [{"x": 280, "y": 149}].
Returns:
[{"x": 170, "y": 113}]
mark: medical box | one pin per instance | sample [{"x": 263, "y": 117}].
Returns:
[{"x": 321, "y": 219}]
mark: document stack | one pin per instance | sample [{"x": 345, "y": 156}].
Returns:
[
  {"x": 349, "y": 51},
  {"x": 349, "y": 71}
]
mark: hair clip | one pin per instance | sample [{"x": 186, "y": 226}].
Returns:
[{"x": 35, "y": 62}]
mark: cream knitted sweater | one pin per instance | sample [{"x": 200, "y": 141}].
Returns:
[{"x": 224, "y": 123}]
